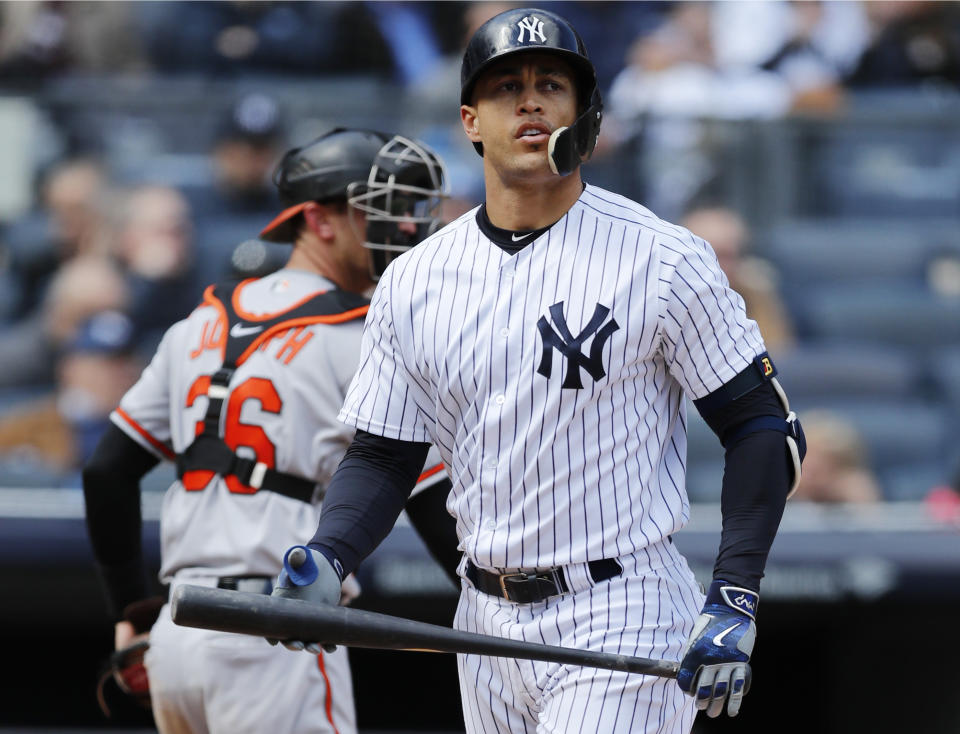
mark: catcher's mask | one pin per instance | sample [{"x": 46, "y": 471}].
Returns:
[{"x": 400, "y": 200}]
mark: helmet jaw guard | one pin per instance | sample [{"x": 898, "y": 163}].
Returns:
[
  {"x": 406, "y": 186},
  {"x": 568, "y": 147},
  {"x": 527, "y": 30}
]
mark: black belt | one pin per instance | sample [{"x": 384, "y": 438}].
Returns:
[
  {"x": 251, "y": 584},
  {"x": 530, "y": 587}
]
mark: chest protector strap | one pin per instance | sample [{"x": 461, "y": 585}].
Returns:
[{"x": 242, "y": 337}]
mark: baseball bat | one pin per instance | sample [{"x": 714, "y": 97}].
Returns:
[{"x": 294, "y": 619}]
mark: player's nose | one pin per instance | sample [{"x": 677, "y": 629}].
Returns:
[{"x": 407, "y": 227}]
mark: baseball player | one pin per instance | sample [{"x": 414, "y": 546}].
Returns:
[
  {"x": 544, "y": 342},
  {"x": 243, "y": 395}
]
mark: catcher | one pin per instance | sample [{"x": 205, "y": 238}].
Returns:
[{"x": 243, "y": 395}]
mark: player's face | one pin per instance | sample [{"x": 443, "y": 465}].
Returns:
[{"x": 517, "y": 103}]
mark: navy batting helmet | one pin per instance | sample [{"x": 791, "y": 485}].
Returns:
[{"x": 530, "y": 29}]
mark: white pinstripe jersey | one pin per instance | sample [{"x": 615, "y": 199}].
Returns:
[
  {"x": 282, "y": 408},
  {"x": 466, "y": 346}
]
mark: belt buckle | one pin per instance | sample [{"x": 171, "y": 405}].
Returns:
[
  {"x": 553, "y": 573},
  {"x": 503, "y": 582}
]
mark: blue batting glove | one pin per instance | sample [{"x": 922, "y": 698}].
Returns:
[
  {"x": 309, "y": 576},
  {"x": 715, "y": 665}
]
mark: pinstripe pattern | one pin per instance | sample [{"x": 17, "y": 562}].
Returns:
[
  {"x": 543, "y": 475},
  {"x": 646, "y": 612},
  {"x": 458, "y": 350}
]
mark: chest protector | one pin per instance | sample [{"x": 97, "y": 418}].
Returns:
[{"x": 241, "y": 338}]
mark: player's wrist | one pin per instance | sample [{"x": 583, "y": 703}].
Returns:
[
  {"x": 723, "y": 597},
  {"x": 330, "y": 556}
]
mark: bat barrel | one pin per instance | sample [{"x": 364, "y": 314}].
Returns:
[{"x": 292, "y": 619}]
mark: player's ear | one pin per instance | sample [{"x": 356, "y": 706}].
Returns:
[
  {"x": 318, "y": 221},
  {"x": 471, "y": 124}
]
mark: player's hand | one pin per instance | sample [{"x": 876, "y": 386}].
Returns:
[
  {"x": 309, "y": 576},
  {"x": 716, "y": 659}
]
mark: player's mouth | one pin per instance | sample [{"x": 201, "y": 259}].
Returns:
[{"x": 536, "y": 133}]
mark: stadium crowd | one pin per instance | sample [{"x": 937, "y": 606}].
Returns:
[{"x": 152, "y": 130}]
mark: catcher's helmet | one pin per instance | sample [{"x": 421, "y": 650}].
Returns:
[
  {"x": 320, "y": 171},
  {"x": 530, "y": 29},
  {"x": 397, "y": 183}
]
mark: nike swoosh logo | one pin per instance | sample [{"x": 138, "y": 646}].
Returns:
[
  {"x": 514, "y": 237},
  {"x": 237, "y": 330},
  {"x": 718, "y": 639}
]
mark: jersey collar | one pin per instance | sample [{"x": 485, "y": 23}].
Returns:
[{"x": 509, "y": 240}]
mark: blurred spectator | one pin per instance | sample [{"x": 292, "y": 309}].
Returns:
[
  {"x": 819, "y": 45},
  {"x": 675, "y": 71},
  {"x": 154, "y": 247},
  {"x": 73, "y": 198},
  {"x": 754, "y": 279},
  {"x": 914, "y": 42},
  {"x": 94, "y": 369},
  {"x": 248, "y": 145},
  {"x": 39, "y": 39},
  {"x": 836, "y": 467},
  {"x": 82, "y": 287},
  {"x": 242, "y": 37},
  {"x": 726, "y": 61}
]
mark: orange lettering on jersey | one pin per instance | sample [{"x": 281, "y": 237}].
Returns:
[
  {"x": 212, "y": 336},
  {"x": 271, "y": 335},
  {"x": 294, "y": 344}
]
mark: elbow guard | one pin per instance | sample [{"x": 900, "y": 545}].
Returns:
[{"x": 744, "y": 406}]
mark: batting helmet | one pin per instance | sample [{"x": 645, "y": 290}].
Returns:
[{"x": 530, "y": 29}]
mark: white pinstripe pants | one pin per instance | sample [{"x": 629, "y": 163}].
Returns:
[{"x": 648, "y": 611}]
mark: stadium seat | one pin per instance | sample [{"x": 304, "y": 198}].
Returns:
[
  {"x": 812, "y": 373},
  {"x": 905, "y": 317},
  {"x": 812, "y": 252}
]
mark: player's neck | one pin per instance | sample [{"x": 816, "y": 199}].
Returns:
[
  {"x": 315, "y": 260},
  {"x": 531, "y": 205}
]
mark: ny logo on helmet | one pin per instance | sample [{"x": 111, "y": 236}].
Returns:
[
  {"x": 569, "y": 345},
  {"x": 533, "y": 27}
]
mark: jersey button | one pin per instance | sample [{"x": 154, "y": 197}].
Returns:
[
  {"x": 504, "y": 331},
  {"x": 491, "y": 524},
  {"x": 490, "y": 462},
  {"x": 500, "y": 400}
]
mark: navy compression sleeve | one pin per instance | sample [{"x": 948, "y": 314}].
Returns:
[
  {"x": 365, "y": 497},
  {"x": 111, "y": 490},
  {"x": 756, "y": 480}
]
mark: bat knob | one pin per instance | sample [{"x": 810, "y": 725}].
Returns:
[
  {"x": 297, "y": 556},
  {"x": 300, "y": 566}
]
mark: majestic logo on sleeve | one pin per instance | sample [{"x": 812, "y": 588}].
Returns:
[
  {"x": 569, "y": 345},
  {"x": 533, "y": 27}
]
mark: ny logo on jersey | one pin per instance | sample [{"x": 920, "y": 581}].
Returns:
[
  {"x": 533, "y": 26},
  {"x": 569, "y": 346}
]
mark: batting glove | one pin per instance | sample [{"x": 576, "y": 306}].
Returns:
[
  {"x": 716, "y": 659},
  {"x": 309, "y": 576}
]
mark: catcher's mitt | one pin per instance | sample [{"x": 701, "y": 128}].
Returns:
[{"x": 125, "y": 667}]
